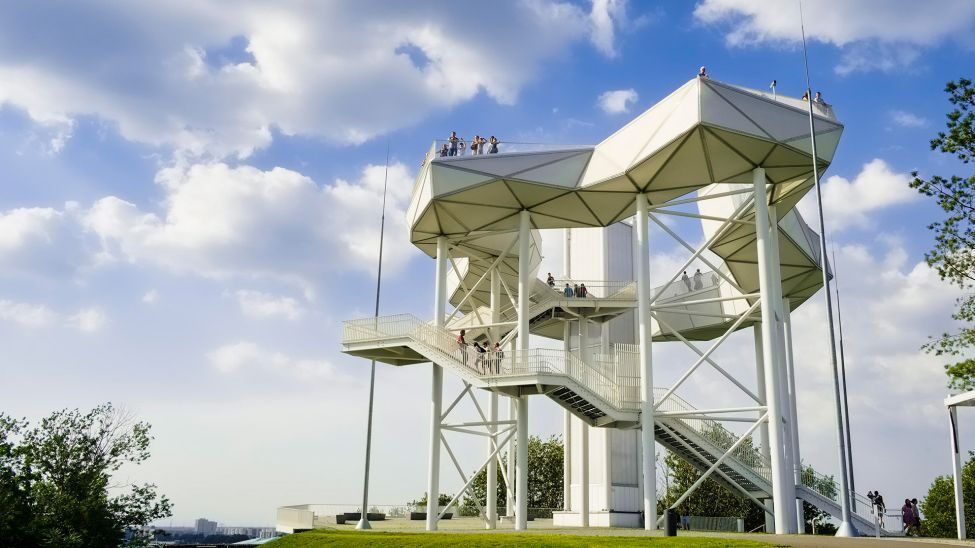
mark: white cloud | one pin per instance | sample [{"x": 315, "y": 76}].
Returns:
[
  {"x": 88, "y": 320},
  {"x": 876, "y": 35},
  {"x": 27, "y": 315},
  {"x": 617, "y": 101},
  {"x": 907, "y": 119},
  {"x": 38, "y": 241},
  {"x": 343, "y": 71},
  {"x": 150, "y": 297},
  {"x": 256, "y": 304},
  {"x": 849, "y": 203},
  {"x": 246, "y": 357},
  {"x": 221, "y": 221}
]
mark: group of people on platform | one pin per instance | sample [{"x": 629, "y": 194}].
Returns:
[
  {"x": 577, "y": 290},
  {"x": 703, "y": 74},
  {"x": 487, "y": 359},
  {"x": 910, "y": 515},
  {"x": 457, "y": 146},
  {"x": 698, "y": 280}
]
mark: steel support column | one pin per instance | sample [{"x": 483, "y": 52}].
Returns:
[
  {"x": 509, "y": 503},
  {"x": 791, "y": 372},
  {"x": 782, "y": 503},
  {"x": 521, "y": 494},
  {"x": 566, "y": 414},
  {"x": 787, "y": 395},
  {"x": 646, "y": 364},
  {"x": 956, "y": 472},
  {"x": 436, "y": 395}
]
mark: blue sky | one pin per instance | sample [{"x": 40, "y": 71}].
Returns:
[{"x": 189, "y": 203}]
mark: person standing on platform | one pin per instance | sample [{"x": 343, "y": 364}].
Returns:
[
  {"x": 453, "y": 143},
  {"x": 698, "y": 280},
  {"x": 498, "y": 356},
  {"x": 686, "y": 280},
  {"x": 462, "y": 345}
]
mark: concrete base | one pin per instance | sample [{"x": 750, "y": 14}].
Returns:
[
  {"x": 847, "y": 529},
  {"x": 597, "y": 519}
]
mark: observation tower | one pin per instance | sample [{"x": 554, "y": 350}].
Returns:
[{"x": 737, "y": 160}]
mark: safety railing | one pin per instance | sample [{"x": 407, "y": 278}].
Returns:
[
  {"x": 565, "y": 288},
  {"x": 449, "y": 148},
  {"x": 686, "y": 284},
  {"x": 716, "y": 434}
]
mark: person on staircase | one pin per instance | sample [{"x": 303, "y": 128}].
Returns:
[
  {"x": 498, "y": 356},
  {"x": 686, "y": 280},
  {"x": 567, "y": 291},
  {"x": 575, "y": 291},
  {"x": 481, "y": 361},
  {"x": 583, "y": 292},
  {"x": 550, "y": 280},
  {"x": 698, "y": 280},
  {"x": 462, "y": 345}
]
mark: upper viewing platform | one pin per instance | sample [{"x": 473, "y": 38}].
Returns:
[{"x": 705, "y": 132}]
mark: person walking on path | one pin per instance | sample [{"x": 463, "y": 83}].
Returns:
[
  {"x": 917, "y": 517},
  {"x": 907, "y": 517},
  {"x": 881, "y": 507}
]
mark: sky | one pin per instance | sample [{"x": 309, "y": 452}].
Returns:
[{"x": 189, "y": 208}]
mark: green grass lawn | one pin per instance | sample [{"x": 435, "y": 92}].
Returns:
[{"x": 314, "y": 539}]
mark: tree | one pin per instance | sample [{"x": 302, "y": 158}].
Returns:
[
  {"x": 939, "y": 506},
  {"x": 817, "y": 521},
  {"x": 710, "y": 499},
  {"x": 56, "y": 479},
  {"x": 952, "y": 255},
  {"x": 545, "y": 480}
]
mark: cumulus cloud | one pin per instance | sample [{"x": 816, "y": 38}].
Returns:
[
  {"x": 86, "y": 320},
  {"x": 221, "y": 221},
  {"x": 617, "y": 101},
  {"x": 39, "y": 241},
  {"x": 257, "y": 304},
  {"x": 907, "y": 119},
  {"x": 208, "y": 80},
  {"x": 875, "y": 35},
  {"x": 247, "y": 358},
  {"x": 849, "y": 203},
  {"x": 27, "y": 315}
]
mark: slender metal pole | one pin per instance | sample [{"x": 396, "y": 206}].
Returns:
[
  {"x": 956, "y": 472},
  {"x": 363, "y": 518},
  {"x": 846, "y": 404},
  {"x": 846, "y": 528}
]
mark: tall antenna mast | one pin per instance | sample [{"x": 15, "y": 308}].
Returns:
[
  {"x": 363, "y": 518},
  {"x": 846, "y": 528},
  {"x": 846, "y": 403}
]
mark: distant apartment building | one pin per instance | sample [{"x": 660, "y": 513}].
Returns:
[{"x": 205, "y": 527}]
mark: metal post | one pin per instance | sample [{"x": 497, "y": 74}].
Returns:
[
  {"x": 846, "y": 403},
  {"x": 566, "y": 415},
  {"x": 492, "y": 467},
  {"x": 763, "y": 429},
  {"x": 436, "y": 396},
  {"x": 956, "y": 472},
  {"x": 491, "y": 491},
  {"x": 364, "y": 516},
  {"x": 791, "y": 372},
  {"x": 769, "y": 354},
  {"x": 587, "y": 359},
  {"x": 509, "y": 503},
  {"x": 646, "y": 365},
  {"x": 521, "y": 516},
  {"x": 787, "y": 395},
  {"x": 524, "y": 289},
  {"x": 846, "y": 527}
]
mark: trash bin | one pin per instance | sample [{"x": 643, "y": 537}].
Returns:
[{"x": 671, "y": 519}]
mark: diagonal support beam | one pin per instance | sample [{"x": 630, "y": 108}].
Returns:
[
  {"x": 467, "y": 389},
  {"x": 470, "y": 481},
  {"x": 690, "y": 248},
  {"x": 705, "y": 356},
  {"x": 717, "y": 463},
  {"x": 481, "y": 279}
]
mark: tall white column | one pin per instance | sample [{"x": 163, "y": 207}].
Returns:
[
  {"x": 762, "y": 429},
  {"x": 956, "y": 471},
  {"x": 783, "y": 504},
  {"x": 509, "y": 503},
  {"x": 492, "y": 467},
  {"x": 566, "y": 415},
  {"x": 491, "y": 490},
  {"x": 793, "y": 411},
  {"x": 646, "y": 364},
  {"x": 524, "y": 280},
  {"x": 436, "y": 395},
  {"x": 786, "y": 395},
  {"x": 584, "y": 353},
  {"x": 567, "y": 436},
  {"x": 521, "y": 515}
]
